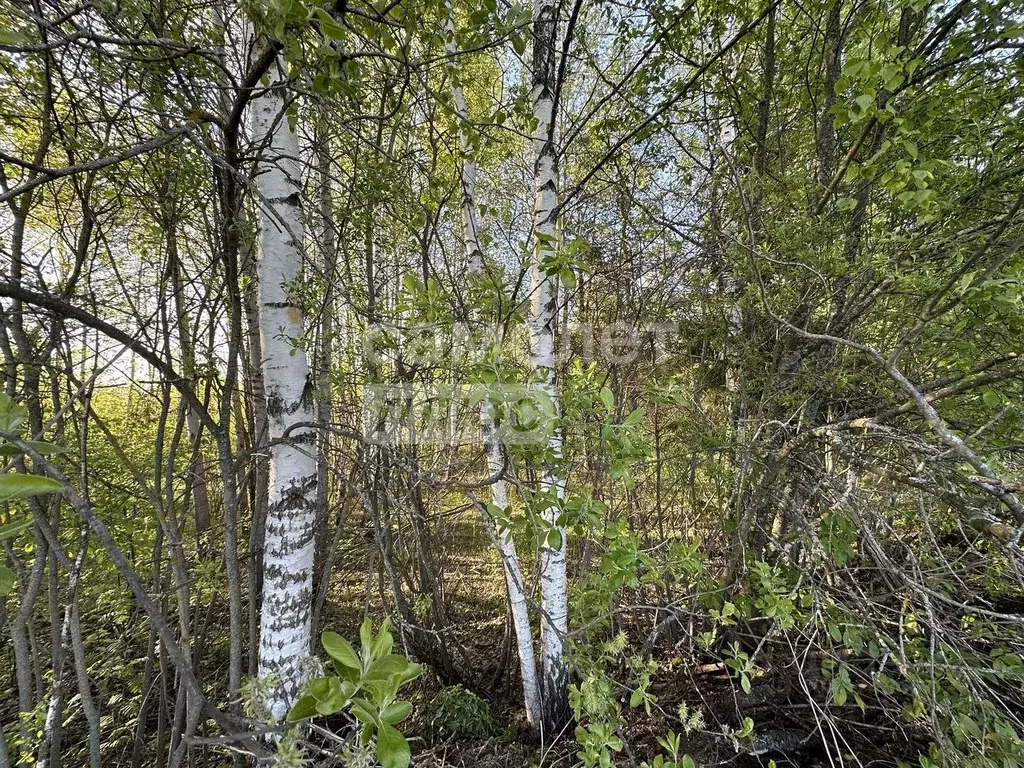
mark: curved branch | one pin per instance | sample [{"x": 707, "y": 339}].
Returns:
[
  {"x": 63, "y": 309},
  {"x": 52, "y": 174}
]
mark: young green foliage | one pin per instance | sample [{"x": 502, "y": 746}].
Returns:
[{"x": 365, "y": 685}]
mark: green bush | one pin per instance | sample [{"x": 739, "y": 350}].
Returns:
[{"x": 456, "y": 712}]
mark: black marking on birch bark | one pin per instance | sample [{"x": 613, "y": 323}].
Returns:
[
  {"x": 303, "y": 485},
  {"x": 293, "y": 500},
  {"x": 275, "y": 404},
  {"x": 287, "y": 512},
  {"x": 282, "y": 576},
  {"x": 284, "y": 613},
  {"x": 288, "y": 528},
  {"x": 555, "y": 697},
  {"x": 288, "y": 614},
  {"x": 306, "y": 398},
  {"x": 289, "y": 548},
  {"x": 277, "y": 407},
  {"x": 551, "y": 220},
  {"x": 293, "y": 200},
  {"x": 280, "y": 304}
]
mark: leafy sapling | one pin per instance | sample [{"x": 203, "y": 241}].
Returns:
[{"x": 365, "y": 687}]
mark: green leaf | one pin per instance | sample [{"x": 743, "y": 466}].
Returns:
[
  {"x": 362, "y": 713},
  {"x": 331, "y": 705},
  {"x": 864, "y": 101},
  {"x": 7, "y": 580},
  {"x": 43, "y": 449},
  {"x": 339, "y": 649},
  {"x": 835, "y": 632},
  {"x": 366, "y": 635},
  {"x": 396, "y": 712},
  {"x": 329, "y": 26},
  {"x": 12, "y": 414},
  {"x": 860, "y": 702},
  {"x": 385, "y": 641},
  {"x": 838, "y": 537},
  {"x": 11, "y": 530},
  {"x": 346, "y": 673},
  {"x": 303, "y": 709},
  {"x": 386, "y": 666},
  {"x": 320, "y": 688},
  {"x": 411, "y": 672},
  {"x": 746, "y": 730},
  {"x": 554, "y": 539},
  {"x": 329, "y": 695},
  {"x": 608, "y": 399},
  {"x": 24, "y": 486},
  {"x": 839, "y": 696},
  {"x": 392, "y": 748}
]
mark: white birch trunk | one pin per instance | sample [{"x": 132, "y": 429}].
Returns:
[
  {"x": 514, "y": 579},
  {"x": 492, "y": 442},
  {"x": 285, "y": 620},
  {"x": 554, "y": 598}
]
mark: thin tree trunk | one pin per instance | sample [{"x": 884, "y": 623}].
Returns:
[
  {"x": 25, "y": 660},
  {"x": 325, "y": 349},
  {"x": 197, "y": 466},
  {"x": 256, "y": 398},
  {"x": 89, "y": 709},
  {"x": 826, "y": 140},
  {"x": 492, "y": 443},
  {"x": 139, "y": 741},
  {"x": 553, "y": 580},
  {"x": 291, "y": 513},
  {"x": 59, "y": 637},
  {"x": 49, "y": 749}
]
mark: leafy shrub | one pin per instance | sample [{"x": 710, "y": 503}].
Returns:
[
  {"x": 366, "y": 687},
  {"x": 456, "y": 712}
]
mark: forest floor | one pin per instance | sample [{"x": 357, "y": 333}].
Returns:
[{"x": 791, "y": 726}]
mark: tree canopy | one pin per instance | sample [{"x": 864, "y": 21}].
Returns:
[{"x": 605, "y": 383}]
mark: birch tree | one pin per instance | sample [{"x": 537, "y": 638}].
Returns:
[
  {"x": 542, "y": 318},
  {"x": 492, "y": 442},
  {"x": 285, "y": 620}
]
